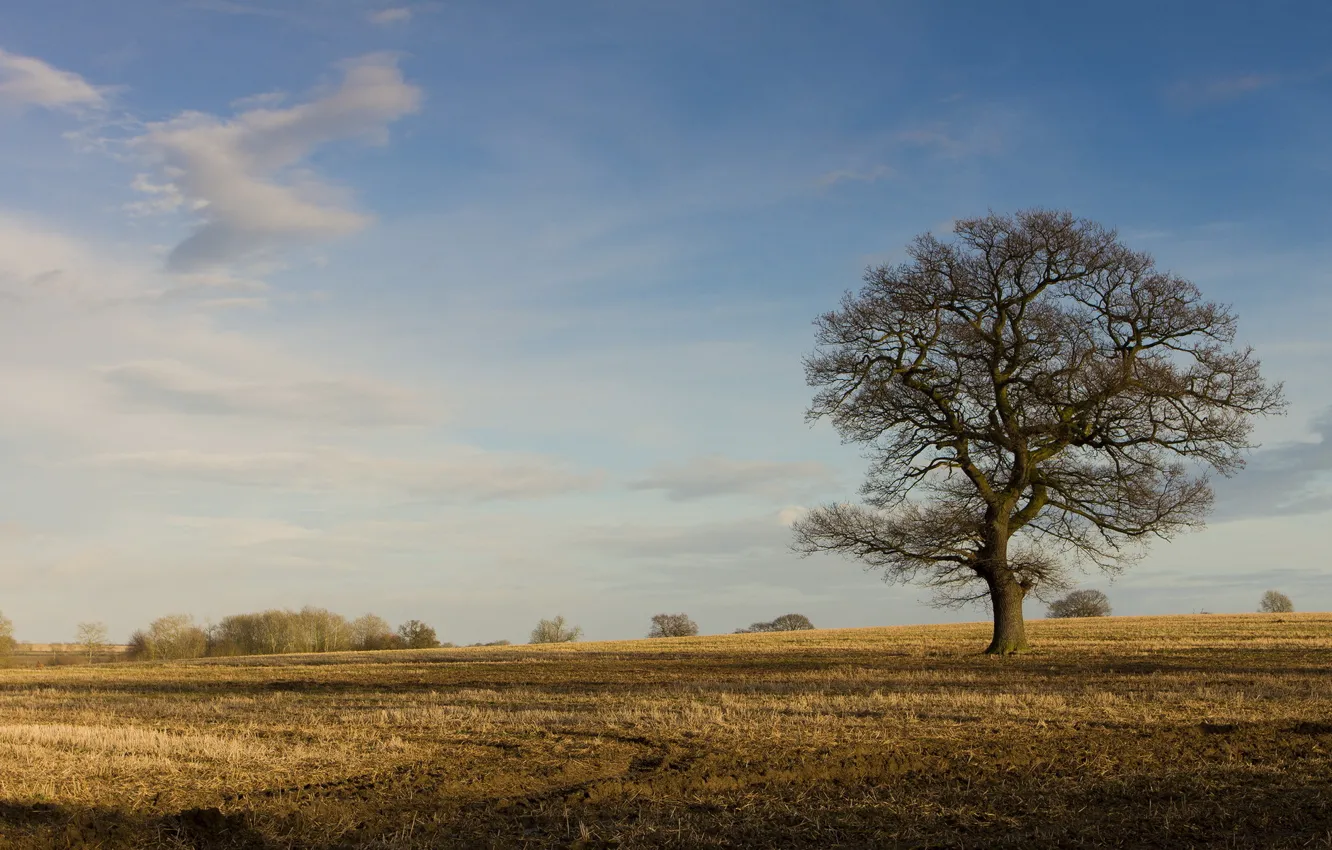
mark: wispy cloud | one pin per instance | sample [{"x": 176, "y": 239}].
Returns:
[
  {"x": 25, "y": 81},
  {"x": 464, "y": 474},
  {"x": 667, "y": 541},
  {"x": 229, "y": 7},
  {"x": 721, "y": 476},
  {"x": 175, "y": 387},
  {"x": 245, "y": 531},
  {"x": 241, "y": 176},
  {"x": 1285, "y": 479},
  {"x": 852, "y": 175},
  {"x": 396, "y": 15},
  {"x": 1222, "y": 88}
]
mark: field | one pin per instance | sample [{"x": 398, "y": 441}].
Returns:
[{"x": 1137, "y": 732}]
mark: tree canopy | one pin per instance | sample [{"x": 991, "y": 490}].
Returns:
[
  {"x": 672, "y": 625},
  {"x": 555, "y": 631},
  {"x": 1080, "y": 603},
  {"x": 1276, "y": 602},
  {"x": 1032, "y": 395},
  {"x": 784, "y": 623}
]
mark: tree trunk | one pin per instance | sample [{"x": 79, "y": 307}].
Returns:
[{"x": 1010, "y": 630}]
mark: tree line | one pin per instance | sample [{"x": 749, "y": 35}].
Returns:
[
  {"x": 282, "y": 631},
  {"x": 276, "y": 632}
]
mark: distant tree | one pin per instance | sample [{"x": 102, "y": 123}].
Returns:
[
  {"x": 171, "y": 637},
  {"x": 1080, "y": 603},
  {"x": 371, "y": 632},
  {"x": 555, "y": 631},
  {"x": 1034, "y": 395},
  {"x": 140, "y": 648},
  {"x": 672, "y": 625},
  {"x": 490, "y": 643},
  {"x": 415, "y": 634},
  {"x": 7, "y": 642},
  {"x": 277, "y": 631},
  {"x": 1275, "y": 602},
  {"x": 92, "y": 637},
  {"x": 784, "y": 623}
]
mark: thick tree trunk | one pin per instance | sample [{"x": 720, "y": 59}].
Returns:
[{"x": 1010, "y": 629}]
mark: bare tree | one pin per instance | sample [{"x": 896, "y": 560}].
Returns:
[
  {"x": 372, "y": 632},
  {"x": 415, "y": 634},
  {"x": 555, "y": 631},
  {"x": 92, "y": 637},
  {"x": 1275, "y": 602},
  {"x": 1080, "y": 603},
  {"x": 7, "y": 643},
  {"x": 784, "y": 623},
  {"x": 672, "y": 625},
  {"x": 1033, "y": 395},
  {"x": 170, "y": 637}
]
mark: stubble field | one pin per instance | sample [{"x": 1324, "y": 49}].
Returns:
[{"x": 1136, "y": 732}]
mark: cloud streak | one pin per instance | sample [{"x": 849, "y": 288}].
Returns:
[
  {"x": 714, "y": 539},
  {"x": 463, "y": 475},
  {"x": 396, "y": 15},
  {"x": 173, "y": 386},
  {"x": 25, "y": 81},
  {"x": 1284, "y": 480},
  {"x": 1218, "y": 89},
  {"x": 715, "y": 475},
  {"x": 242, "y": 176}
]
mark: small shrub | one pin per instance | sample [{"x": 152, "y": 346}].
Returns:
[
  {"x": 672, "y": 625},
  {"x": 555, "y": 631},
  {"x": 1275, "y": 602},
  {"x": 1080, "y": 603}
]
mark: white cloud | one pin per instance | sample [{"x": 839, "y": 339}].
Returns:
[
  {"x": 397, "y": 15},
  {"x": 177, "y": 387},
  {"x": 41, "y": 264},
  {"x": 853, "y": 175},
  {"x": 25, "y": 81},
  {"x": 162, "y": 197},
  {"x": 463, "y": 474},
  {"x": 719, "y": 476},
  {"x": 1222, "y": 88},
  {"x": 242, "y": 175},
  {"x": 101, "y": 349},
  {"x": 709, "y": 539},
  {"x": 245, "y": 531},
  {"x": 1289, "y": 478}
]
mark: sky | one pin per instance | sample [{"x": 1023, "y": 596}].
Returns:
[{"x": 479, "y": 312}]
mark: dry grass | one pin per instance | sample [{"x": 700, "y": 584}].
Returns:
[{"x": 1179, "y": 731}]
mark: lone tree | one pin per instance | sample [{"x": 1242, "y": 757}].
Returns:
[
  {"x": 1032, "y": 394},
  {"x": 1080, "y": 603},
  {"x": 7, "y": 642},
  {"x": 784, "y": 623},
  {"x": 92, "y": 637},
  {"x": 672, "y": 625},
  {"x": 555, "y": 631},
  {"x": 1275, "y": 602},
  {"x": 415, "y": 634}
]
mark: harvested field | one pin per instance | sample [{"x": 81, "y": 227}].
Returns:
[{"x": 1135, "y": 732}]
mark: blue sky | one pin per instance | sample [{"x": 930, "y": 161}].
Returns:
[{"x": 479, "y": 312}]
